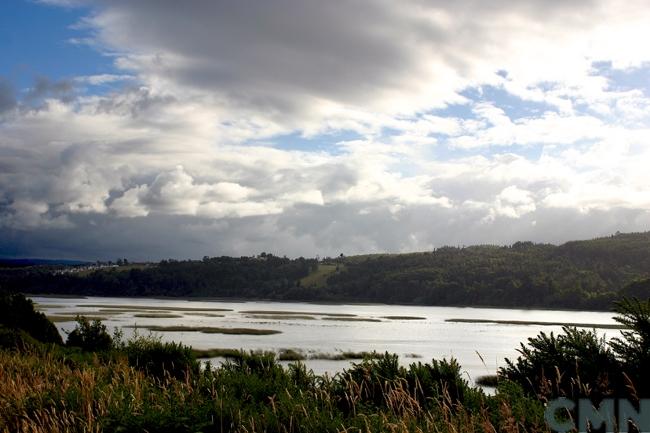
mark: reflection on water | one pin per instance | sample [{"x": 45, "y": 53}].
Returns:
[{"x": 414, "y": 333}]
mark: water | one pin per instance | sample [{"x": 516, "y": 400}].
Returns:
[{"x": 480, "y": 348}]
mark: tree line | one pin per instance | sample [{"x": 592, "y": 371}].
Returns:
[{"x": 579, "y": 274}]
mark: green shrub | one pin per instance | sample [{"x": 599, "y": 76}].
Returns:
[
  {"x": 522, "y": 409},
  {"x": 633, "y": 347},
  {"x": 378, "y": 376},
  {"x": 302, "y": 377},
  {"x": 151, "y": 355},
  {"x": 437, "y": 379},
  {"x": 254, "y": 363},
  {"x": 369, "y": 380},
  {"x": 576, "y": 363},
  {"x": 90, "y": 336}
]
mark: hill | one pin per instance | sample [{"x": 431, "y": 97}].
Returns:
[{"x": 579, "y": 274}]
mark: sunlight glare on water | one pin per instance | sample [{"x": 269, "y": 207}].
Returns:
[{"x": 415, "y": 333}]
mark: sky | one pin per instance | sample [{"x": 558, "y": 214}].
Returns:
[{"x": 159, "y": 129}]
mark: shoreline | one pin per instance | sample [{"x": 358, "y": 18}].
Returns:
[
  {"x": 537, "y": 322},
  {"x": 333, "y": 303}
]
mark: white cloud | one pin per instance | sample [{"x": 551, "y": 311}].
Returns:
[
  {"x": 307, "y": 64},
  {"x": 100, "y": 79},
  {"x": 24, "y": 215},
  {"x": 128, "y": 205},
  {"x": 549, "y": 128},
  {"x": 514, "y": 202},
  {"x": 413, "y": 151}
]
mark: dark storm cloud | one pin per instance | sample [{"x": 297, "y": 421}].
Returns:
[
  {"x": 7, "y": 95},
  {"x": 308, "y": 231},
  {"x": 283, "y": 54},
  {"x": 288, "y": 46},
  {"x": 44, "y": 87}
]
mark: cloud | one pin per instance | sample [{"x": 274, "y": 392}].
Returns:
[
  {"x": 309, "y": 59},
  {"x": 24, "y": 214},
  {"x": 7, "y": 95},
  {"x": 101, "y": 79},
  {"x": 499, "y": 130},
  {"x": 426, "y": 122},
  {"x": 513, "y": 202},
  {"x": 176, "y": 193},
  {"x": 46, "y": 88}
]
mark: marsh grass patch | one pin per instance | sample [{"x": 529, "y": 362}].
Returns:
[
  {"x": 124, "y": 310},
  {"x": 280, "y": 317},
  {"x": 344, "y": 356},
  {"x": 60, "y": 318},
  {"x": 291, "y": 355},
  {"x": 217, "y": 353},
  {"x": 491, "y": 380},
  {"x": 293, "y": 313},
  {"x": 352, "y": 319},
  {"x": 151, "y": 307},
  {"x": 208, "y": 330},
  {"x": 158, "y": 315},
  {"x": 287, "y": 354},
  {"x": 542, "y": 323},
  {"x": 199, "y": 314}
]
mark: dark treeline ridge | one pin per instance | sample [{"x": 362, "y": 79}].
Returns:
[
  {"x": 245, "y": 277},
  {"x": 578, "y": 275}
]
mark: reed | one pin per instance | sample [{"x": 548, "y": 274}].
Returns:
[{"x": 44, "y": 391}]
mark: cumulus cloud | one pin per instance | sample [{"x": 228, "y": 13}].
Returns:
[
  {"x": 192, "y": 154},
  {"x": 548, "y": 128},
  {"x": 176, "y": 193},
  {"x": 310, "y": 58},
  {"x": 24, "y": 214}
]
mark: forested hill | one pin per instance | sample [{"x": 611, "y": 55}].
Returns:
[
  {"x": 245, "y": 277},
  {"x": 580, "y": 274}
]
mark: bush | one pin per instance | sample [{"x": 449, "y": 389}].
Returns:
[
  {"x": 633, "y": 347},
  {"x": 90, "y": 336},
  {"x": 579, "y": 364},
  {"x": 378, "y": 377},
  {"x": 438, "y": 379},
  {"x": 17, "y": 312},
  {"x": 370, "y": 379},
  {"x": 159, "y": 359},
  {"x": 512, "y": 403},
  {"x": 576, "y": 363}
]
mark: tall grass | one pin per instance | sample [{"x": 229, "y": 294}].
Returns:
[{"x": 47, "y": 391}]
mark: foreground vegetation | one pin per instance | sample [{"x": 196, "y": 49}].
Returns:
[
  {"x": 48, "y": 394},
  {"x": 578, "y": 275},
  {"x": 98, "y": 382}
]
